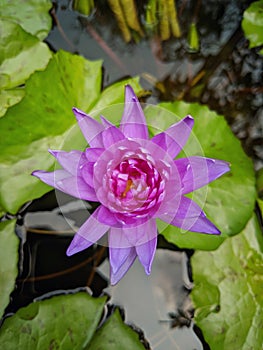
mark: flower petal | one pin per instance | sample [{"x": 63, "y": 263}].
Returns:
[
  {"x": 196, "y": 172},
  {"x": 133, "y": 123},
  {"x": 119, "y": 249},
  {"x": 70, "y": 161},
  {"x": 92, "y": 154},
  {"x": 146, "y": 254},
  {"x": 105, "y": 216},
  {"x": 91, "y": 129},
  {"x": 141, "y": 234},
  {"x": 189, "y": 216},
  {"x": 121, "y": 259},
  {"x": 65, "y": 182},
  {"x": 89, "y": 233},
  {"x": 174, "y": 138},
  {"x": 51, "y": 178},
  {"x": 86, "y": 172},
  {"x": 111, "y": 134}
]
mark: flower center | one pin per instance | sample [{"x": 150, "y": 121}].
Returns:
[
  {"x": 130, "y": 180},
  {"x": 127, "y": 189}
]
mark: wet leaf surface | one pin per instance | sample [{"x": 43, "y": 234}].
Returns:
[
  {"x": 51, "y": 104},
  {"x": 115, "y": 335},
  {"x": 62, "y": 322},
  {"x": 228, "y": 291},
  {"x": 9, "y": 244},
  {"x": 19, "y": 60},
  {"x": 9, "y": 98},
  {"x": 25, "y": 141},
  {"x": 67, "y": 322},
  {"x": 252, "y": 24},
  {"x": 229, "y": 200},
  {"x": 32, "y": 15}
]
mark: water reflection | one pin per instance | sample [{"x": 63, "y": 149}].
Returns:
[{"x": 148, "y": 301}]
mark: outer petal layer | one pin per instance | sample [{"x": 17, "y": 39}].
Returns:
[
  {"x": 120, "y": 249},
  {"x": 196, "y": 172},
  {"x": 91, "y": 128},
  {"x": 70, "y": 161},
  {"x": 111, "y": 134},
  {"x": 174, "y": 138},
  {"x": 65, "y": 182},
  {"x": 146, "y": 254},
  {"x": 128, "y": 255},
  {"x": 133, "y": 123},
  {"x": 189, "y": 216},
  {"x": 141, "y": 234},
  {"x": 89, "y": 233}
]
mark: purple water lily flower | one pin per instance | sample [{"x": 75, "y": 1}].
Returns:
[{"x": 136, "y": 179}]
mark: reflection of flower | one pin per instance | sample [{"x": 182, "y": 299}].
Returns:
[{"x": 136, "y": 180}]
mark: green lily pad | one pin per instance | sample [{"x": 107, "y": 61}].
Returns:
[
  {"x": 252, "y": 24},
  {"x": 62, "y": 322},
  {"x": 259, "y": 182},
  {"x": 115, "y": 335},
  {"x": 228, "y": 201},
  {"x": 9, "y": 98},
  {"x": 227, "y": 292},
  {"x": 32, "y": 15},
  {"x": 20, "y": 54},
  {"x": 67, "y": 322},
  {"x": 44, "y": 119},
  {"x": 260, "y": 205},
  {"x": 9, "y": 243}
]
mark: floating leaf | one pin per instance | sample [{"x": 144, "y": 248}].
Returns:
[
  {"x": 9, "y": 243},
  {"x": 32, "y": 15},
  {"x": 20, "y": 54},
  {"x": 115, "y": 335},
  {"x": 228, "y": 201},
  {"x": 43, "y": 120},
  {"x": 228, "y": 291},
  {"x": 260, "y": 204},
  {"x": 9, "y": 98},
  {"x": 62, "y": 322},
  {"x": 39, "y": 122},
  {"x": 252, "y": 24},
  {"x": 259, "y": 182}
]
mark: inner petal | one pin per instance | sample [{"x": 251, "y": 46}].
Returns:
[{"x": 130, "y": 180}]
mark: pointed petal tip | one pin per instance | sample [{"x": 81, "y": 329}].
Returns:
[
  {"x": 105, "y": 122},
  {"x": 79, "y": 114},
  {"x": 148, "y": 270},
  {"x": 130, "y": 95},
  {"x": 212, "y": 229},
  {"x": 189, "y": 120},
  {"x": 114, "y": 280},
  {"x": 54, "y": 153},
  {"x": 77, "y": 245},
  {"x": 128, "y": 87},
  {"x": 75, "y": 109},
  {"x": 115, "y": 277},
  {"x": 37, "y": 173},
  {"x": 70, "y": 251}
]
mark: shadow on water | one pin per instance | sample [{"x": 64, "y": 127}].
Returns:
[{"x": 222, "y": 73}]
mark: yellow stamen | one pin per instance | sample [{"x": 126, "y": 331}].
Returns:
[{"x": 127, "y": 189}]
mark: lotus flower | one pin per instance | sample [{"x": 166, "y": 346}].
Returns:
[{"x": 136, "y": 180}]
